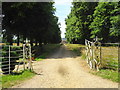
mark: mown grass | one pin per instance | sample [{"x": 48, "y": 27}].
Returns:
[
  {"x": 46, "y": 51},
  {"x": 109, "y": 62},
  {"x": 11, "y": 80}
]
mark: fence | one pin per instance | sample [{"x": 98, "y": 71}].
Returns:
[
  {"x": 109, "y": 56},
  {"x": 15, "y": 58}
]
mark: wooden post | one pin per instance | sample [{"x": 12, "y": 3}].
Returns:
[{"x": 100, "y": 54}]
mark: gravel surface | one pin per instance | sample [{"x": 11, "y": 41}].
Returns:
[{"x": 64, "y": 70}]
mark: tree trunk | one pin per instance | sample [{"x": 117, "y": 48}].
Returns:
[
  {"x": 35, "y": 42},
  {"x": 18, "y": 40},
  {"x": 9, "y": 39},
  {"x": 24, "y": 38},
  {"x": 31, "y": 42}
]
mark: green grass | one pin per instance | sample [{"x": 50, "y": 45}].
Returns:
[
  {"x": 107, "y": 74},
  {"x": 47, "y": 50},
  {"x": 11, "y": 80},
  {"x": 109, "y": 65}
]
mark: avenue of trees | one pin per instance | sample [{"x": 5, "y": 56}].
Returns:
[
  {"x": 90, "y": 19},
  {"x": 34, "y": 21}
]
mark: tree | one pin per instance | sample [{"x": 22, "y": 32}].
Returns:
[
  {"x": 35, "y": 21},
  {"x": 115, "y": 21},
  {"x": 101, "y": 23},
  {"x": 78, "y": 21}
]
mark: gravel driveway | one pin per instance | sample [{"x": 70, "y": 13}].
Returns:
[{"x": 64, "y": 70}]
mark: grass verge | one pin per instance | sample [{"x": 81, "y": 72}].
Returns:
[
  {"x": 10, "y": 80},
  {"x": 107, "y": 74},
  {"x": 109, "y": 60}
]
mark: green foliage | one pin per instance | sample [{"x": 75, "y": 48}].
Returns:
[
  {"x": 78, "y": 21},
  {"x": 35, "y": 21},
  {"x": 115, "y": 21},
  {"x": 90, "y": 19},
  {"x": 101, "y": 23}
]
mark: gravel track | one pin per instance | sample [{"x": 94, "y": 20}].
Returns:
[{"x": 64, "y": 70}]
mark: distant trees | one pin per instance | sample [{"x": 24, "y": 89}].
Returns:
[
  {"x": 90, "y": 19},
  {"x": 35, "y": 21}
]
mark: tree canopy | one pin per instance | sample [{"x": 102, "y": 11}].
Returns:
[
  {"x": 90, "y": 19},
  {"x": 34, "y": 21}
]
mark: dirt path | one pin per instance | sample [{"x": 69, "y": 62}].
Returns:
[{"x": 63, "y": 70}]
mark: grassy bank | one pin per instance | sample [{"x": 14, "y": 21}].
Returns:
[
  {"x": 46, "y": 51},
  {"x": 109, "y": 63},
  {"x": 10, "y": 80}
]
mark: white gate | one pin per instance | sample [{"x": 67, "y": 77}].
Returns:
[{"x": 93, "y": 54}]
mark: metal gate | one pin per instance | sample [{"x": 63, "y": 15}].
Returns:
[{"x": 15, "y": 58}]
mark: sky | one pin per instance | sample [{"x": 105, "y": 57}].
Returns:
[{"x": 62, "y": 10}]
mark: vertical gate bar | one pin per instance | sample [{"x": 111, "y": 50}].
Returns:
[{"x": 9, "y": 59}]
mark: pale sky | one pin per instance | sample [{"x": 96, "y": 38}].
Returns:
[{"x": 62, "y": 10}]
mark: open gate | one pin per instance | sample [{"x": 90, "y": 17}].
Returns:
[{"x": 93, "y": 54}]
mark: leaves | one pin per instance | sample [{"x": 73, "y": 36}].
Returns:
[
  {"x": 90, "y": 19},
  {"x": 35, "y": 21}
]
